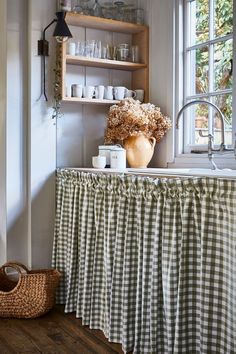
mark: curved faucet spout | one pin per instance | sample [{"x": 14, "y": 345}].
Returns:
[{"x": 222, "y": 145}]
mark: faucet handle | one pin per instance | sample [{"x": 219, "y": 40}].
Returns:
[{"x": 203, "y": 135}]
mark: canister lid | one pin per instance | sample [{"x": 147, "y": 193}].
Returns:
[
  {"x": 117, "y": 148},
  {"x": 110, "y": 147}
]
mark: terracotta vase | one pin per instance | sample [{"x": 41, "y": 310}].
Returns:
[{"x": 139, "y": 150}]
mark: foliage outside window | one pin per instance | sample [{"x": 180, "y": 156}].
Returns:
[{"x": 208, "y": 54}]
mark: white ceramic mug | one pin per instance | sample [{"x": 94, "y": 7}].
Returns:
[
  {"x": 99, "y": 92},
  {"x": 99, "y": 161},
  {"x": 77, "y": 90},
  {"x": 108, "y": 93},
  {"x": 68, "y": 91},
  {"x": 139, "y": 95},
  {"x": 71, "y": 48},
  {"x": 130, "y": 93},
  {"x": 88, "y": 91},
  {"x": 119, "y": 92}
]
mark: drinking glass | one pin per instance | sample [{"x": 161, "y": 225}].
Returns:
[
  {"x": 134, "y": 54},
  {"x": 139, "y": 16}
]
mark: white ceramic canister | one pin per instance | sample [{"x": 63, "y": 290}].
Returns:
[
  {"x": 118, "y": 158},
  {"x": 105, "y": 150}
]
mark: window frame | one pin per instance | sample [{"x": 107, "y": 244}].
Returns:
[{"x": 183, "y": 134}]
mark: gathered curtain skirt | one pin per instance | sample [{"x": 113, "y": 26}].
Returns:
[{"x": 150, "y": 262}]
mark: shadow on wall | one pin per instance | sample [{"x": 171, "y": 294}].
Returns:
[{"x": 38, "y": 237}]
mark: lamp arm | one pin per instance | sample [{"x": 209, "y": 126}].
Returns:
[
  {"x": 44, "y": 60},
  {"x": 45, "y": 29}
]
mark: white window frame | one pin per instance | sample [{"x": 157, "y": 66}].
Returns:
[{"x": 182, "y": 158}]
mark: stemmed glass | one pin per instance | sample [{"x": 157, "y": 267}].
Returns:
[{"x": 97, "y": 9}]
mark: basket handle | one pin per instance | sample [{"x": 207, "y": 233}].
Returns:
[{"x": 15, "y": 265}]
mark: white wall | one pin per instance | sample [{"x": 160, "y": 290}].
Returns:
[
  {"x": 31, "y": 135},
  {"x": 3, "y": 88},
  {"x": 17, "y": 221},
  {"x": 161, "y": 21}
]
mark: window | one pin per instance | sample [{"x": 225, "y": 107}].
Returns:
[{"x": 208, "y": 70}]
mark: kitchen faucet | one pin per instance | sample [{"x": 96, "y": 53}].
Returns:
[{"x": 210, "y": 150}]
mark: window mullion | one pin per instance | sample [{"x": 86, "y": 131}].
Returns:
[
  {"x": 234, "y": 74},
  {"x": 211, "y": 64}
]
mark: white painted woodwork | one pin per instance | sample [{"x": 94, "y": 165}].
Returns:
[{"x": 3, "y": 102}]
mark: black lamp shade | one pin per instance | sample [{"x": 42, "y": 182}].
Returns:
[{"x": 61, "y": 29}]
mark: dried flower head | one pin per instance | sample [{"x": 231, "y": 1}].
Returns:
[{"x": 130, "y": 118}]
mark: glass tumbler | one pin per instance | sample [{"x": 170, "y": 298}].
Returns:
[
  {"x": 139, "y": 16},
  {"x": 134, "y": 54}
]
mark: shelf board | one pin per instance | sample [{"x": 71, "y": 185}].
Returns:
[
  {"x": 75, "y": 19},
  {"x": 89, "y": 101},
  {"x": 104, "y": 63}
]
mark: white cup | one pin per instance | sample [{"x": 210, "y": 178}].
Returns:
[
  {"x": 99, "y": 161},
  {"x": 88, "y": 91},
  {"x": 68, "y": 91},
  {"x": 71, "y": 48},
  {"x": 139, "y": 95},
  {"x": 108, "y": 93},
  {"x": 119, "y": 92},
  {"x": 99, "y": 92},
  {"x": 130, "y": 93},
  {"x": 77, "y": 90}
]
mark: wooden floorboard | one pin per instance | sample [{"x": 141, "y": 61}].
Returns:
[{"x": 54, "y": 333}]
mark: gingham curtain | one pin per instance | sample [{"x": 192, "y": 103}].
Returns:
[{"x": 152, "y": 263}]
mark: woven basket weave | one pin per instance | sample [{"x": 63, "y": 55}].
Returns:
[{"x": 29, "y": 297}]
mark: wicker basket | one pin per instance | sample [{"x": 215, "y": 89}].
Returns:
[{"x": 29, "y": 297}]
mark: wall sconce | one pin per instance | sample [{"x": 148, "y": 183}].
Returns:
[{"x": 61, "y": 33}]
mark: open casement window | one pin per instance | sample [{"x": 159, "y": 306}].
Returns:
[{"x": 209, "y": 58}]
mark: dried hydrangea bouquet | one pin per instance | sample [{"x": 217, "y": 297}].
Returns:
[{"x": 138, "y": 127}]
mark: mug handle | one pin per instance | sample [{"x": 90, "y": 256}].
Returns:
[
  {"x": 134, "y": 94},
  {"x": 153, "y": 142}
]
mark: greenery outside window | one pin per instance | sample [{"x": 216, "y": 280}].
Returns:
[{"x": 208, "y": 70}]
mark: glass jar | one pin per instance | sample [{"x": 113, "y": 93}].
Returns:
[
  {"x": 129, "y": 14},
  {"x": 64, "y": 5},
  {"x": 119, "y": 11},
  {"x": 82, "y": 7},
  {"x": 108, "y": 10}
]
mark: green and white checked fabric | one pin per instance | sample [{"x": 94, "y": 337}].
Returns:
[{"x": 151, "y": 262}]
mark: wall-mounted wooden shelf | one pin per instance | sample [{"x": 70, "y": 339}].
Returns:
[
  {"x": 104, "y": 63},
  {"x": 140, "y": 71},
  {"x": 89, "y": 101},
  {"x": 74, "y": 19}
]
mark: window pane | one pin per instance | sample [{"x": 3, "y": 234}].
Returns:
[
  {"x": 199, "y": 21},
  {"x": 223, "y": 17},
  {"x": 223, "y": 61},
  {"x": 224, "y": 102},
  {"x": 200, "y": 70},
  {"x": 200, "y": 113}
]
